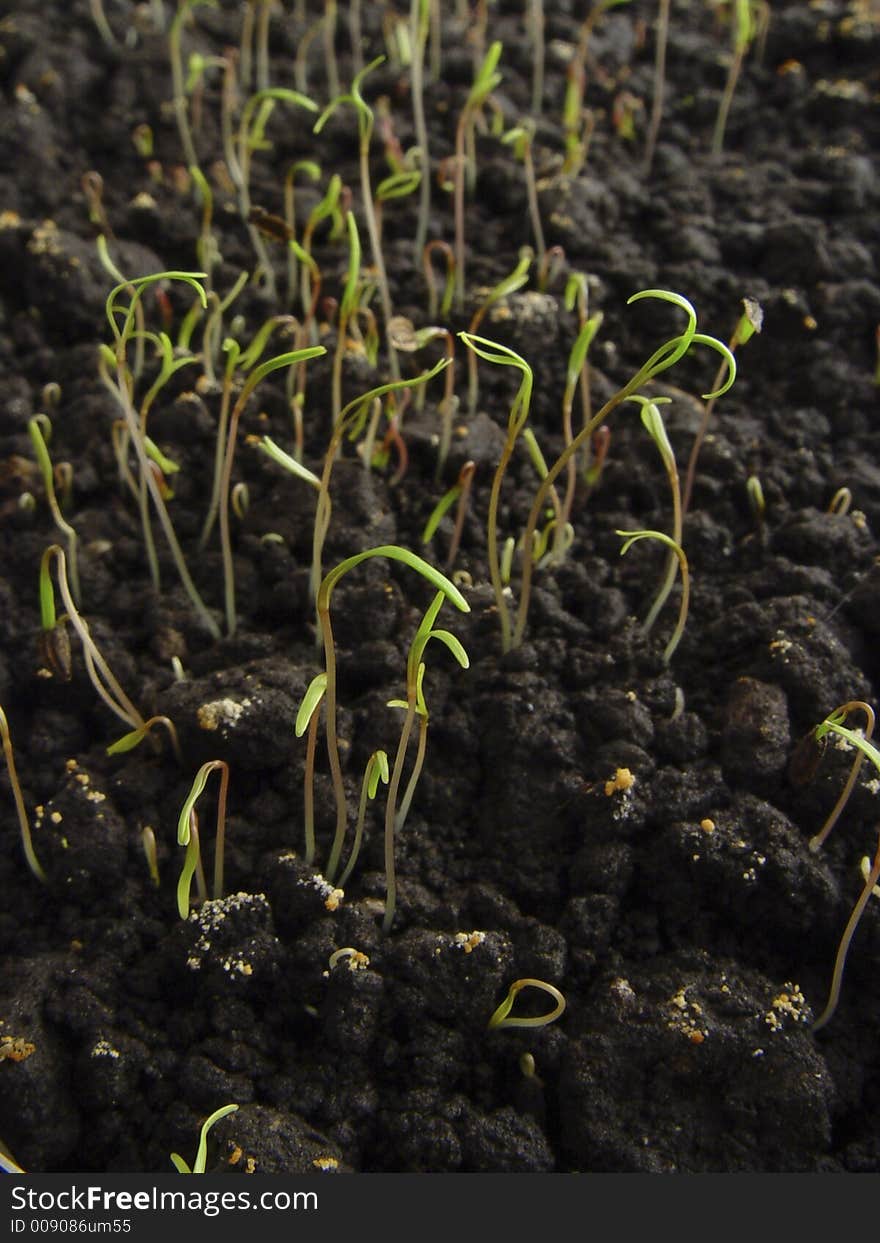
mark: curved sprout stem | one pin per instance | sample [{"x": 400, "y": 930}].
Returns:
[
  {"x": 833, "y": 723},
  {"x": 661, "y": 360},
  {"x": 501, "y": 1017},
  {"x": 843, "y": 948}
]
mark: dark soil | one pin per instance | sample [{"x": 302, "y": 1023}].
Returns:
[{"x": 683, "y": 917}]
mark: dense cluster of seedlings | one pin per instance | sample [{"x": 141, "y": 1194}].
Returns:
[{"x": 227, "y": 361}]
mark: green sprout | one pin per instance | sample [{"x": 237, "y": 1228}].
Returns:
[
  {"x": 187, "y": 834},
  {"x": 835, "y": 723},
  {"x": 576, "y": 373},
  {"x": 757, "y": 503},
  {"x": 444, "y": 249},
  {"x": 40, "y": 430},
  {"x": 492, "y": 352},
  {"x": 408, "y": 340},
  {"x": 236, "y": 361},
  {"x": 351, "y": 421},
  {"x": 502, "y": 1018},
  {"x": 508, "y": 285},
  {"x": 420, "y": 23},
  {"x": 750, "y": 322},
  {"x": 630, "y": 538},
  {"x": 313, "y": 171},
  {"x": 653, "y": 422},
  {"x": 207, "y": 250},
  {"x": 348, "y": 305},
  {"x": 23, "y": 822},
  {"x": 460, "y": 492},
  {"x": 57, "y": 645},
  {"x": 661, "y": 360},
  {"x": 171, "y": 361},
  {"x": 563, "y": 540},
  {"x": 750, "y": 18},
  {"x": 212, "y": 335},
  {"x": 871, "y": 873},
  {"x": 397, "y": 185},
  {"x": 251, "y": 137},
  {"x": 437, "y": 580},
  {"x": 292, "y": 358},
  {"x": 201, "y": 1158},
  {"x": 148, "y": 841},
  {"x": 841, "y": 502},
  {"x": 99, "y": 17},
  {"x": 365, "y": 131},
  {"x": 307, "y": 719},
  {"x": 662, "y": 39},
  {"x": 181, "y": 110},
  {"x": 485, "y": 81},
  {"x": 376, "y": 770},
  {"x": 414, "y": 705},
  {"x": 129, "y": 741},
  {"x": 521, "y": 138},
  {"x": 123, "y": 334},
  {"x": 804, "y": 764},
  {"x": 536, "y": 37}
]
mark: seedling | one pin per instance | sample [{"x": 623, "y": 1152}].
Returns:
[
  {"x": 811, "y": 752},
  {"x": 502, "y": 1016},
  {"x": 630, "y": 538},
  {"x": 329, "y": 33},
  {"x": 446, "y": 251},
  {"x": 841, "y": 502},
  {"x": 509, "y": 285},
  {"x": 351, "y": 421},
  {"x": 460, "y": 492},
  {"x": 578, "y": 122},
  {"x": 871, "y": 873},
  {"x": 662, "y": 37},
  {"x": 520, "y": 138},
  {"x": 492, "y": 352},
  {"x": 201, "y": 1159},
  {"x": 661, "y": 360},
  {"x": 23, "y": 822},
  {"x": 57, "y": 645},
  {"x": 653, "y": 422},
  {"x": 181, "y": 110},
  {"x": 40, "y": 430},
  {"x": 187, "y": 833},
  {"x": 290, "y": 359},
  {"x": 485, "y": 81},
  {"x": 122, "y": 335},
  {"x": 99, "y": 17},
  {"x": 313, "y": 171},
  {"x": 375, "y": 771},
  {"x": 207, "y": 251},
  {"x": 129, "y": 741},
  {"x": 348, "y": 306},
  {"x": 409, "y": 340},
  {"x": 757, "y": 503},
  {"x": 750, "y": 322},
  {"x": 420, "y": 22},
  {"x": 251, "y": 129},
  {"x": 365, "y": 130},
  {"x": 536, "y": 38},
  {"x": 148, "y": 841},
  {"x": 750, "y": 18},
  {"x": 307, "y": 718},
  {"x": 414, "y": 705},
  {"x": 576, "y": 374},
  {"x": 437, "y": 580},
  {"x": 171, "y": 362}
]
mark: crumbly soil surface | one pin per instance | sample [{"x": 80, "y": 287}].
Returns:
[{"x": 589, "y": 815}]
